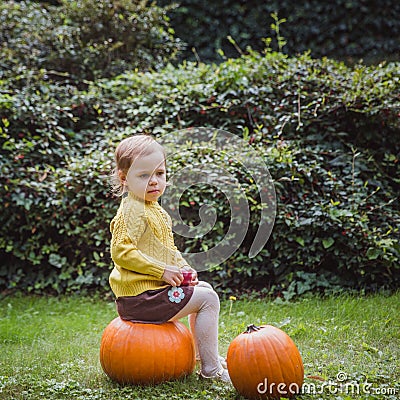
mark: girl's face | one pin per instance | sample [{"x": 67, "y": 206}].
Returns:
[{"x": 147, "y": 176}]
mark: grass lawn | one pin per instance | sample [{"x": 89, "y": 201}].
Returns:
[{"x": 50, "y": 347}]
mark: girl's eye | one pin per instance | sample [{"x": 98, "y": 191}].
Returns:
[
  {"x": 160, "y": 173},
  {"x": 144, "y": 176}
]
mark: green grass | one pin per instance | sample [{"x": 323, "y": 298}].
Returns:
[{"x": 50, "y": 346}]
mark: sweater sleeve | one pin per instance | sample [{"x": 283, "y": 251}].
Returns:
[
  {"x": 181, "y": 262},
  {"x": 124, "y": 250}
]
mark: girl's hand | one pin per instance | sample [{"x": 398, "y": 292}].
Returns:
[
  {"x": 195, "y": 279},
  {"x": 172, "y": 275}
]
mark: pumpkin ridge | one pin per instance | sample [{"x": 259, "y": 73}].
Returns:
[
  {"x": 264, "y": 367},
  {"x": 114, "y": 329},
  {"x": 154, "y": 364},
  {"x": 124, "y": 348},
  {"x": 235, "y": 359},
  {"x": 251, "y": 341},
  {"x": 149, "y": 361},
  {"x": 155, "y": 361},
  {"x": 288, "y": 356},
  {"x": 291, "y": 353},
  {"x": 277, "y": 376},
  {"x": 110, "y": 344},
  {"x": 171, "y": 362},
  {"x": 188, "y": 336}
]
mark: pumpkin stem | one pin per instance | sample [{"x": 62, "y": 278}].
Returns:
[{"x": 252, "y": 328}]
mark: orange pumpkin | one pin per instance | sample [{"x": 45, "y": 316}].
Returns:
[
  {"x": 146, "y": 353},
  {"x": 264, "y": 362}
]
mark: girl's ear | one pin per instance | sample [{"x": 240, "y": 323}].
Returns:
[{"x": 122, "y": 176}]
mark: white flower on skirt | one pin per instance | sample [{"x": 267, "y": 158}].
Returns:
[{"x": 175, "y": 295}]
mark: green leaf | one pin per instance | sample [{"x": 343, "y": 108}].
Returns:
[
  {"x": 372, "y": 254},
  {"x": 328, "y": 242}
]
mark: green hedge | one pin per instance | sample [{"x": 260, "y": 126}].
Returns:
[
  {"x": 84, "y": 40},
  {"x": 329, "y": 134},
  {"x": 341, "y": 29}
]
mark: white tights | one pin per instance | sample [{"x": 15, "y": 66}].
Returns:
[{"x": 203, "y": 312}]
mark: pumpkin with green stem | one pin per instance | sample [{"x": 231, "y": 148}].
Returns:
[
  {"x": 136, "y": 353},
  {"x": 264, "y": 362}
]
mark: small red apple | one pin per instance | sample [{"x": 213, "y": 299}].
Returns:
[{"x": 187, "y": 278}]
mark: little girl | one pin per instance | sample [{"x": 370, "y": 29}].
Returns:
[{"x": 148, "y": 268}]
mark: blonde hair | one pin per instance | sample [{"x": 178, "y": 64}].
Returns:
[{"x": 127, "y": 151}]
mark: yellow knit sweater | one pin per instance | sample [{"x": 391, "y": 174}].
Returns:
[{"x": 142, "y": 245}]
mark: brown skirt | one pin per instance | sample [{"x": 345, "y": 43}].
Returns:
[{"x": 154, "y": 306}]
